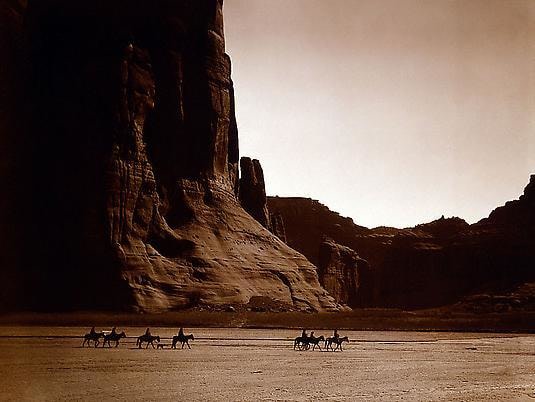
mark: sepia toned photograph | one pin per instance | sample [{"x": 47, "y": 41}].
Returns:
[{"x": 267, "y": 200}]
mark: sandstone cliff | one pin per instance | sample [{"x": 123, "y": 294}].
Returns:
[
  {"x": 130, "y": 163},
  {"x": 431, "y": 264},
  {"x": 253, "y": 190},
  {"x": 253, "y": 197},
  {"x": 345, "y": 275},
  {"x": 307, "y": 222}
]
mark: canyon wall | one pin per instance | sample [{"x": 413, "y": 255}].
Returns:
[
  {"x": 128, "y": 188},
  {"x": 346, "y": 276},
  {"x": 431, "y": 264}
]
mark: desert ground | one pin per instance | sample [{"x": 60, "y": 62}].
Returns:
[{"x": 48, "y": 363}]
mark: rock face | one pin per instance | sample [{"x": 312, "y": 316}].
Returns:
[
  {"x": 130, "y": 163},
  {"x": 307, "y": 222},
  {"x": 345, "y": 275},
  {"x": 431, "y": 264},
  {"x": 253, "y": 190},
  {"x": 254, "y": 200}
]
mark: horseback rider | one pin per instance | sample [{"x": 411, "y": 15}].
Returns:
[
  {"x": 113, "y": 331},
  {"x": 304, "y": 334},
  {"x": 312, "y": 334},
  {"x": 147, "y": 333},
  {"x": 92, "y": 332},
  {"x": 181, "y": 332},
  {"x": 335, "y": 335}
]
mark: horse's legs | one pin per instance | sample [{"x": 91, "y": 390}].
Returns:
[{"x": 187, "y": 343}]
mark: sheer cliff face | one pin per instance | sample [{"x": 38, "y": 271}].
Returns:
[
  {"x": 131, "y": 164},
  {"x": 345, "y": 275},
  {"x": 429, "y": 265}
]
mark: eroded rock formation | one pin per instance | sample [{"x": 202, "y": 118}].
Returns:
[
  {"x": 431, "y": 264},
  {"x": 345, "y": 275},
  {"x": 307, "y": 222},
  {"x": 130, "y": 179},
  {"x": 253, "y": 190},
  {"x": 253, "y": 197}
]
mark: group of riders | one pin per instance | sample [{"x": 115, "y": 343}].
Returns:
[
  {"x": 147, "y": 337},
  {"x": 305, "y": 341}
]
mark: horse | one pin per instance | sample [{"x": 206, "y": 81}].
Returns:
[
  {"x": 147, "y": 338},
  {"x": 113, "y": 336},
  {"x": 312, "y": 340},
  {"x": 301, "y": 342},
  {"x": 92, "y": 336},
  {"x": 338, "y": 341},
  {"x": 183, "y": 339}
]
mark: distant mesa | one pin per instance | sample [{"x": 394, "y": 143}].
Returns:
[{"x": 432, "y": 264}]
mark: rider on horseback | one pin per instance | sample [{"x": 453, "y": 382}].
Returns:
[
  {"x": 92, "y": 332},
  {"x": 113, "y": 331},
  {"x": 304, "y": 334},
  {"x": 335, "y": 335},
  {"x": 147, "y": 333},
  {"x": 181, "y": 332}
]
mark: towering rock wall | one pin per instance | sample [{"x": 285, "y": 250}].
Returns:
[{"x": 130, "y": 179}]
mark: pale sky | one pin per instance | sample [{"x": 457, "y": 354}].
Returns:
[{"x": 392, "y": 112}]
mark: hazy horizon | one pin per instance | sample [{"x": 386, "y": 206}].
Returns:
[{"x": 393, "y": 112}]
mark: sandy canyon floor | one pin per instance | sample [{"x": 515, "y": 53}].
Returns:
[{"x": 45, "y": 363}]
